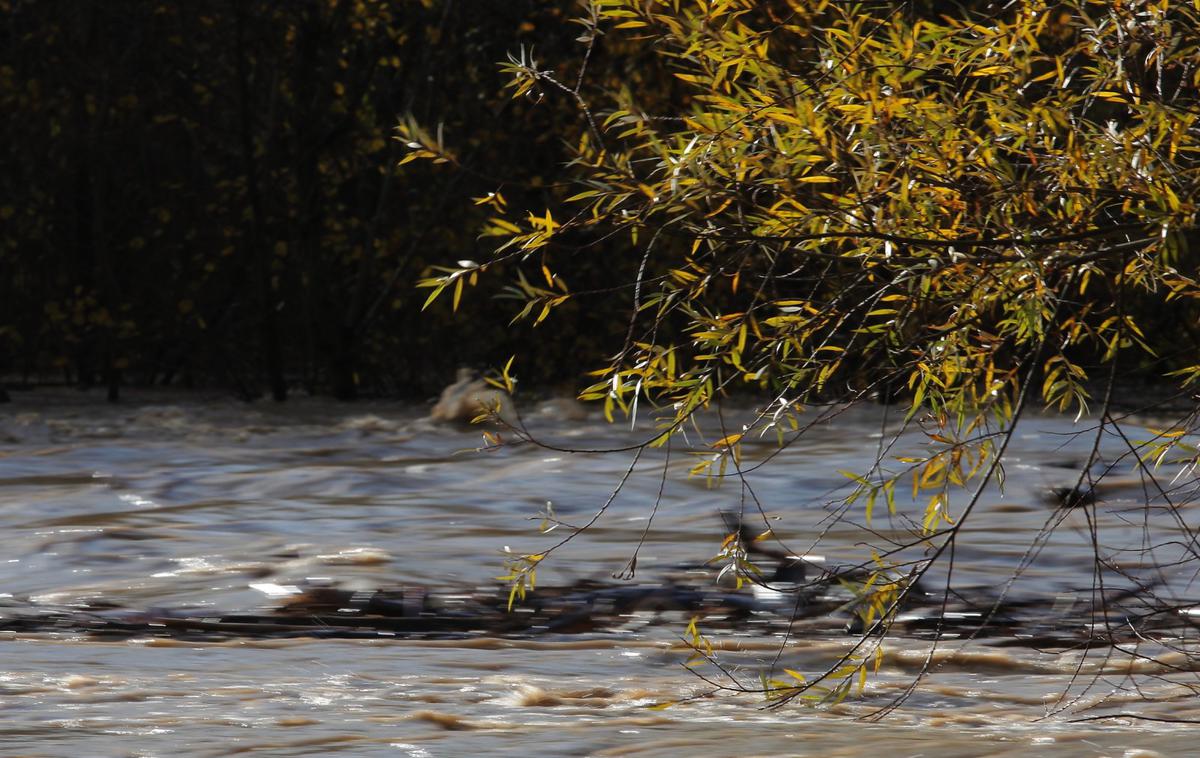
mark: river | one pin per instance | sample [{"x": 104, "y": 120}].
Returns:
[{"x": 172, "y": 500}]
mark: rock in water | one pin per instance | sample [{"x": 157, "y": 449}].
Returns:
[
  {"x": 468, "y": 398},
  {"x": 1070, "y": 497}
]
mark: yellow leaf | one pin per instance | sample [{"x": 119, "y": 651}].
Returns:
[
  {"x": 795, "y": 675},
  {"x": 727, "y": 441}
]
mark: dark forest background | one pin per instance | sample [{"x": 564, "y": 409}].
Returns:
[{"x": 207, "y": 193}]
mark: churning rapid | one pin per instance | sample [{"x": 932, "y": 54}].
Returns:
[{"x": 173, "y": 503}]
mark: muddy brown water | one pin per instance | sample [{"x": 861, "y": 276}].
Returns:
[{"x": 174, "y": 501}]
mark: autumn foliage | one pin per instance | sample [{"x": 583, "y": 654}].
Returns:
[{"x": 969, "y": 210}]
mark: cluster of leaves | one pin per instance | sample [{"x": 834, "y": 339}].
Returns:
[{"x": 965, "y": 210}]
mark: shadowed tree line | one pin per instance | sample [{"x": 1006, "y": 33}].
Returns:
[{"x": 208, "y": 193}]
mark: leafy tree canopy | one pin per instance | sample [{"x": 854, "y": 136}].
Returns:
[{"x": 975, "y": 208}]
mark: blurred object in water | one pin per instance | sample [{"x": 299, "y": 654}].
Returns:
[{"x": 468, "y": 398}]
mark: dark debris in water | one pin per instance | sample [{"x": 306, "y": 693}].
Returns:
[{"x": 821, "y": 608}]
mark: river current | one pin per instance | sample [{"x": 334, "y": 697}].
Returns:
[{"x": 177, "y": 501}]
